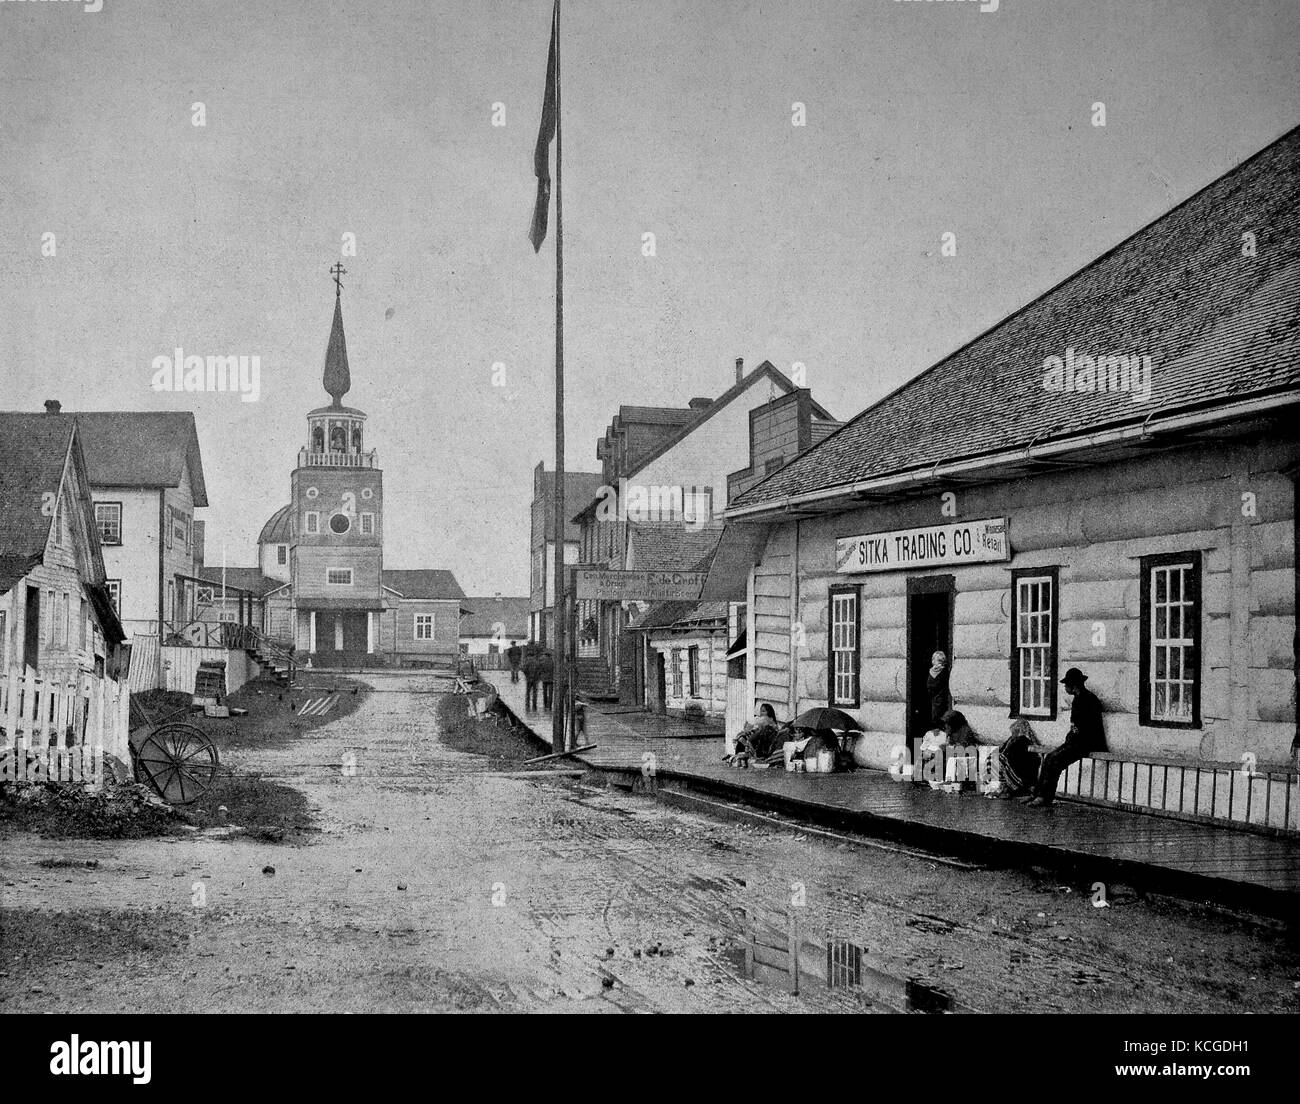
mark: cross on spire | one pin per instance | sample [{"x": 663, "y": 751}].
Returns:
[{"x": 338, "y": 272}]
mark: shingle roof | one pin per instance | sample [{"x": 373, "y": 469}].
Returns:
[
  {"x": 672, "y": 547},
  {"x": 683, "y": 615},
  {"x": 242, "y": 578},
  {"x": 485, "y": 614},
  {"x": 423, "y": 583},
  {"x": 276, "y": 529},
  {"x": 141, "y": 448},
  {"x": 1216, "y": 324},
  {"x": 33, "y": 448}
]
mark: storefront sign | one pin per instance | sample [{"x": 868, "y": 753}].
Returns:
[
  {"x": 932, "y": 546},
  {"x": 645, "y": 586}
]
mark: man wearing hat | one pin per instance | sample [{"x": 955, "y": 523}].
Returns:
[{"x": 1085, "y": 736}]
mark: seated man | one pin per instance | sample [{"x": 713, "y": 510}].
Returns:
[{"x": 1086, "y": 735}]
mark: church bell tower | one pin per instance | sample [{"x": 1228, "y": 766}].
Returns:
[{"x": 337, "y": 506}]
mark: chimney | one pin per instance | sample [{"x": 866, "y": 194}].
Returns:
[
  {"x": 740, "y": 369},
  {"x": 700, "y": 404},
  {"x": 198, "y": 543},
  {"x": 53, "y": 406}
]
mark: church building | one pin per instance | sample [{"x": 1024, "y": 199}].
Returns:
[{"x": 324, "y": 551}]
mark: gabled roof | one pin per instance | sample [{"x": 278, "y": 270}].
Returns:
[
  {"x": 671, "y": 547},
  {"x": 141, "y": 448},
  {"x": 422, "y": 583},
  {"x": 483, "y": 615},
  {"x": 1218, "y": 326},
  {"x": 683, "y": 616},
  {"x": 33, "y": 452},
  {"x": 766, "y": 370},
  {"x": 248, "y": 579}
]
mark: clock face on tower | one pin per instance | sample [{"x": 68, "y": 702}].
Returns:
[{"x": 340, "y": 524}]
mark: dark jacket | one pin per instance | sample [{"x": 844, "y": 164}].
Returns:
[
  {"x": 1086, "y": 731},
  {"x": 514, "y": 654},
  {"x": 546, "y": 668},
  {"x": 936, "y": 688},
  {"x": 531, "y": 667}
]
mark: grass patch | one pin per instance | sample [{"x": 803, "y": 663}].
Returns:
[
  {"x": 263, "y": 808},
  {"x": 493, "y": 737}
]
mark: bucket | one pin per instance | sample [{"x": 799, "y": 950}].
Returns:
[{"x": 825, "y": 761}]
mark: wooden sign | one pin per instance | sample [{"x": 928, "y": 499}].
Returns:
[
  {"x": 641, "y": 586},
  {"x": 964, "y": 542}
]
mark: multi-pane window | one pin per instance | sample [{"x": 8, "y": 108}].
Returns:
[
  {"x": 845, "y": 657},
  {"x": 676, "y": 657},
  {"x": 108, "y": 519},
  {"x": 1033, "y": 647},
  {"x": 281, "y": 554},
  {"x": 1171, "y": 617},
  {"x": 312, "y": 522},
  {"x": 339, "y": 576},
  {"x": 178, "y": 531},
  {"x": 367, "y": 525},
  {"x": 693, "y": 670},
  {"x": 424, "y": 626}
]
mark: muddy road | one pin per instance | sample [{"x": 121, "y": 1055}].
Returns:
[{"x": 436, "y": 883}]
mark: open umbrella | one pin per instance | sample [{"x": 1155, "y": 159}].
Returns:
[{"x": 825, "y": 719}]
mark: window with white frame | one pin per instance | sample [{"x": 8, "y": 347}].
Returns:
[
  {"x": 693, "y": 670},
  {"x": 312, "y": 522},
  {"x": 1033, "y": 649},
  {"x": 108, "y": 520},
  {"x": 339, "y": 576},
  {"x": 845, "y": 657},
  {"x": 1171, "y": 620},
  {"x": 367, "y": 525},
  {"x": 114, "y": 588},
  {"x": 676, "y": 659},
  {"x": 424, "y": 626}
]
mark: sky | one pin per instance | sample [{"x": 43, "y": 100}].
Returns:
[{"x": 817, "y": 244}]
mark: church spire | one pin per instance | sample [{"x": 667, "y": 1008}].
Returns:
[{"x": 337, "y": 379}]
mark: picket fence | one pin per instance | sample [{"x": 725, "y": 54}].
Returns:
[{"x": 58, "y": 726}]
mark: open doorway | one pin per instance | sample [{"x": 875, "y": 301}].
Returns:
[{"x": 929, "y": 630}]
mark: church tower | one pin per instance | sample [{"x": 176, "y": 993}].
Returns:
[{"x": 336, "y": 557}]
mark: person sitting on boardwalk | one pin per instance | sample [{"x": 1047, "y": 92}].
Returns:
[
  {"x": 1015, "y": 766},
  {"x": 1086, "y": 735},
  {"x": 758, "y": 739},
  {"x": 962, "y": 749}
]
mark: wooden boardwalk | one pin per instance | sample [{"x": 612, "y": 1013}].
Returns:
[{"x": 1233, "y": 867}]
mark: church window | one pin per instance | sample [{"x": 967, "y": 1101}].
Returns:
[
  {"x": 312, "y": 492},
  {"x": 313, "y": 522},
  {"x": 367, "y": 525},
  {"x": 368, "y": 492},
  {"x": 340, "y": 524}
]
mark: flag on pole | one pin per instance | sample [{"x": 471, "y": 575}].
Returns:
[{"x": 542, "y": 154}]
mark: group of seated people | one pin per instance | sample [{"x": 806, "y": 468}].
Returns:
[{"x": 765, "y": 741}]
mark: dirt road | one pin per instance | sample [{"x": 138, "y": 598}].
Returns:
[{"x": 436, "y": 883}]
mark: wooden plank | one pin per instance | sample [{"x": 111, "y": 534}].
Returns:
[{"x": 11, "y": 716}]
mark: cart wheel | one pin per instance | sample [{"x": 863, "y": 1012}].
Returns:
[{"x": 179, "y": 761}]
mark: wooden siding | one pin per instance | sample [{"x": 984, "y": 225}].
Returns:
[{"x": 1095, "y": 526}]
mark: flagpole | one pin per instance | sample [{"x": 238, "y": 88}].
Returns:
[{"x": 559, "y": 658}]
